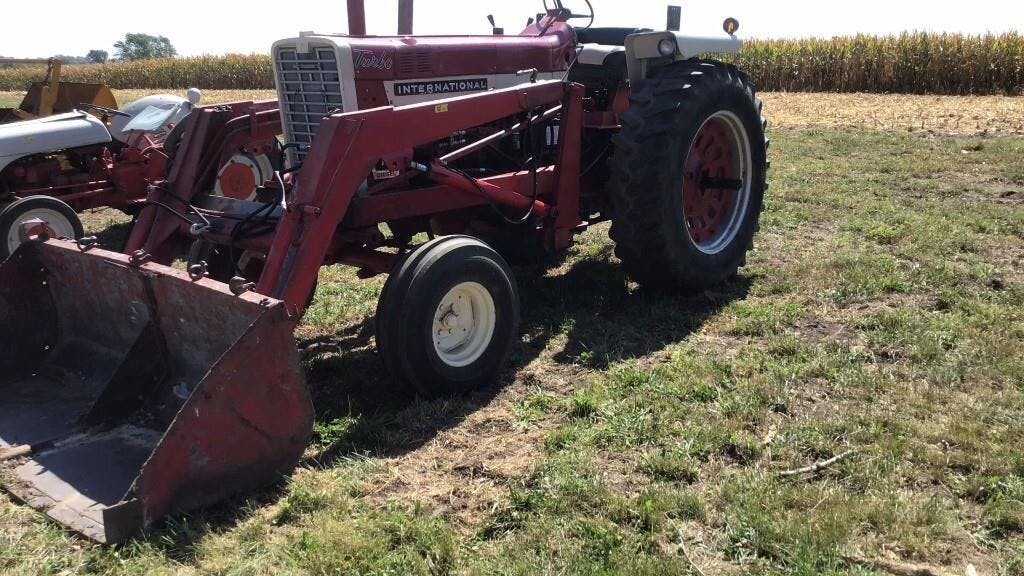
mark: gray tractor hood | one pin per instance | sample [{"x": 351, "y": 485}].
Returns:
[{"x": 60, "y": 132}]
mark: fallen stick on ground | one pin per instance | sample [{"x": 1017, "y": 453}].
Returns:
[
  {"x": 896, "y": 568},
  {"x": 15, "y": 452},
  {"x": 817, "y": 466}
]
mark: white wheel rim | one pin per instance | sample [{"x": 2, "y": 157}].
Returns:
[
  {"x": 57, "y": 221},
  {"x": 464, "y": 324}
]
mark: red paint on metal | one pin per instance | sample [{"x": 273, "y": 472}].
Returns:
[
  {"x": 215, "y": 134},
  {"x": 568, "y": 169},
  {"x": 159, "y": 392},
  {"x": 711, "y": 155},
  {"x": 113, "y": 180},
  {"x": 346, "y": 149},
  {"x": 369, "y": 260},
  {"x": 371, "y": 94},
  {"x": 487, "y": 190},
  {"x": 356, "y": 17},
  {"x": 399, "y": 205},
  {"x": 395, "y": 57},
  {"x": 237, "y": 181}
]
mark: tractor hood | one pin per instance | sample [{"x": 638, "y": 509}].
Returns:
[{"x": 60, "y": 132}]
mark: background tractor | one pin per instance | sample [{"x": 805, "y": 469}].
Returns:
[
  {"x": 54, "y": 167},
  {"x": 143, "y": 388},
  {"x": 52, "y": 95}
]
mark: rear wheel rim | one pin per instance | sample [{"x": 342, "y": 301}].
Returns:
[
  {"x": 464, "y": 324},
  {"x": 716, "y": 182},
  {"x": 60, "y": 224}
]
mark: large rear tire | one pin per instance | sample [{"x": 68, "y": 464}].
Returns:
[
  {"x": 447, "y": 317},
  {"x": 688, "y": 176},
  {"x": 61, "y": 218}
]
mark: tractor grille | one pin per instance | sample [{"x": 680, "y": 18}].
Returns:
[{"x": 309, "y": 88}]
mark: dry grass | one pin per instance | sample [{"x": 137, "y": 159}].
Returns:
[{"x": 946, "y": 115}]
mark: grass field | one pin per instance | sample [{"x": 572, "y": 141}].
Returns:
[{"x": 882, "y": 312}]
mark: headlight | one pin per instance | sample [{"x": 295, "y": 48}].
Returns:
[{"x": 667, "y": 47}]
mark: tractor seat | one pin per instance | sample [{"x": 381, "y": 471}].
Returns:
[{"x": 607, "y": 36}]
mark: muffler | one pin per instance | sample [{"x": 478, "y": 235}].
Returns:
[{"x": 131, "y": 390}]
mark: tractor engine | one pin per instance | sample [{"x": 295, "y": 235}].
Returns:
[
  {"x": 321, "y": 74},
  {"x": 67, "y": 169}
]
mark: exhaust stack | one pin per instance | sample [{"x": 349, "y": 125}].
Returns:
[
  {"x": 356, "y": 18},
  {"x": 405, "y": 17}
]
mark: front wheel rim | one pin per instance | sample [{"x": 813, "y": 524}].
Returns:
[
  {"x": 60, "y": 224},
  {"x": 717, "y": 179},
  {"x": 463, "y": 324}
]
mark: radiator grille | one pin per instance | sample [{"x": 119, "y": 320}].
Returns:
[{"x": 310, "y": 88}]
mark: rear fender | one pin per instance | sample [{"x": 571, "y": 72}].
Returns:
[{"x": 643, "y": 53}]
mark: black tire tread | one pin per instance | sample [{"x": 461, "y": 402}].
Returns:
[{"x": 641, "y": 211}]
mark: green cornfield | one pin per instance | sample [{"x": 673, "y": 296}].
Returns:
[
  {"x": 918, "y": 63},
  {"x": 231, "y": 72},
  {"x": 914, "y": 63}
]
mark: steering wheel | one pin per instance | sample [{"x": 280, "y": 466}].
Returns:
[
  {"x": 106, "y": 111},
  {"x": 559, "y": 6}
]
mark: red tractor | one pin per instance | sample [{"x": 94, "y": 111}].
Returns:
[{"x": 143, "y": 389}]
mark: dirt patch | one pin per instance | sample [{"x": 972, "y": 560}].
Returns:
[
  {"x": 824, "y": 330},
  {"x": 465, "y": 471},
  {"x": 977, "y": 187},
  {"x": 1010, "y": 262},
  {"x": 939, "y": 115},
  {"x": 887, "y": 302}
]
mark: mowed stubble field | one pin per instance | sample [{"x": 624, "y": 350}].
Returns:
[{"x": 882, "y": 312}]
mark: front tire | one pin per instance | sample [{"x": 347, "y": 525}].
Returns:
[
  {"x": 447, "y": 317},
  {"x": 61, "y": 218},
  {"x": 688, "y": 176}
]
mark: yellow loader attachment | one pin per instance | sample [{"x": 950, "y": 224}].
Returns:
[{"x": 51, "y": 96}]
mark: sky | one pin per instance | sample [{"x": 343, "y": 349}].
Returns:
[{"x": 217, "y": 27}]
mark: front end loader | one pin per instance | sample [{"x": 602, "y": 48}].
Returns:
[{"x": 143, "y": 388}]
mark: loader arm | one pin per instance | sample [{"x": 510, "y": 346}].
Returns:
[{"x": 346, "y": 149}]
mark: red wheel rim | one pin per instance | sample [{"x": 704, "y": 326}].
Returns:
[
  {"x": 238, "y": 181},
  {"x": 708, "y": 196}
]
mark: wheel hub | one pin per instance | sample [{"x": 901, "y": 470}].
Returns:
[
  {"x": 242, "y": 174},
  {"x": 716, "y": 183},
  {"x": 463, "y": 324},
  {"x": 706, "y": 201},
  {"x": 60, "y": 225}
]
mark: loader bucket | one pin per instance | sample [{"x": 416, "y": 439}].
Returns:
[
  {"x": 8, "y": 115},
  {"x": 70, "y": 96},
  {"x": 130, "y": 391}
]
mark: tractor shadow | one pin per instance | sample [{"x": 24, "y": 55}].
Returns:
[
  {"x": 114, "y": 237},
  {"x": 591, "y": 306}
]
